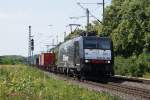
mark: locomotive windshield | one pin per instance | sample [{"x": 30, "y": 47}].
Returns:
[
  {"x": 97, "y": 43},
  {"x": 104, "y": 43},
  {"x": 90, "y": 43}
]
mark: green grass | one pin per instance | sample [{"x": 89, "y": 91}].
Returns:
[
  {"x": 147, "y": 75},
  {"x": 20, "y": 82}
]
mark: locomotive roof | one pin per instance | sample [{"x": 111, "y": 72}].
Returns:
[{"x": 80, "y": 37}]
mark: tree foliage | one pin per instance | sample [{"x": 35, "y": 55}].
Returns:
[
  {"x": 127, "y": 22},
  {"x": 133, "y": 66}
]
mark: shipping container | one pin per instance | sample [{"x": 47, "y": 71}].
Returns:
[{"x": 47, "y": 59}]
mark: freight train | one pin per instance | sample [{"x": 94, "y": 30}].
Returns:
[{"x": 82, "y": 56}]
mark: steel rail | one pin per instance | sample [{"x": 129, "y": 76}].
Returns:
[{"x": 134, "y": 91}]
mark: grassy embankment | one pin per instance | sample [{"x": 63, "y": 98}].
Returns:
[{"x": 19, "y": 82}]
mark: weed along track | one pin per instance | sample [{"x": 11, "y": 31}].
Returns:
[
  {"x": 114, "y": 88},
  {"x": 29, "y": 83}
]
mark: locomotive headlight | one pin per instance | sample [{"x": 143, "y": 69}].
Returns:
[
  {"x": 108, "y": 62},
  {"x": 86, "y": 61}
]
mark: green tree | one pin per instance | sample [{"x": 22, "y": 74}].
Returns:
[{"x": 128, "y": 23}]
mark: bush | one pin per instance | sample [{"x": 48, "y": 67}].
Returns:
[
  {"x": 122, "y": 65},
  {"x": 133, "y": 66},
  {"x": 144, "y": 60}
]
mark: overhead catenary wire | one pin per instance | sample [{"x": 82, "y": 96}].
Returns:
[{"x": 89, "y": 11}]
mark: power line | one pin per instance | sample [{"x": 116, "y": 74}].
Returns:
[
  {"x": 71, "y": 26},
  {"x": 103, "y": 9},
  {"x": 88, "y": 13},
  {"x": 77, "y": 17},
  {"x": 103, "y": 3}
]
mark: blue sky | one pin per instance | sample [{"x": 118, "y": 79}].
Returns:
[{"x": 17, "y": 15}]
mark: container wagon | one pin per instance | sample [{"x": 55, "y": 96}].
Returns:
[{"x": 47, "y": 61}]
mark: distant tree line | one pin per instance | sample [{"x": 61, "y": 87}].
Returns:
[{"x": 12, "y": 60}]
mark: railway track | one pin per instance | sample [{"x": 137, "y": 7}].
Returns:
[
  {"x": 138, "y": 92},
  {"x": 143, "y": 94},
  {"x": 132, "y": 79},
  {"x": 112, "y": 84}
]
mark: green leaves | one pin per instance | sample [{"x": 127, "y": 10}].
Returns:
[
  {"x": 128, "y": 22},
  {"x": 133, "y": 66}
]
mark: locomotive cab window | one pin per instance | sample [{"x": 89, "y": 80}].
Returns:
[
  {"x": 90, "y": 43},
  {"x": 97, "y": 43},
  {"x": 104, "y": 44}
]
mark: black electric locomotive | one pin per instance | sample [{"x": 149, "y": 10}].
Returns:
[{"x": 86, "y": 55}]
